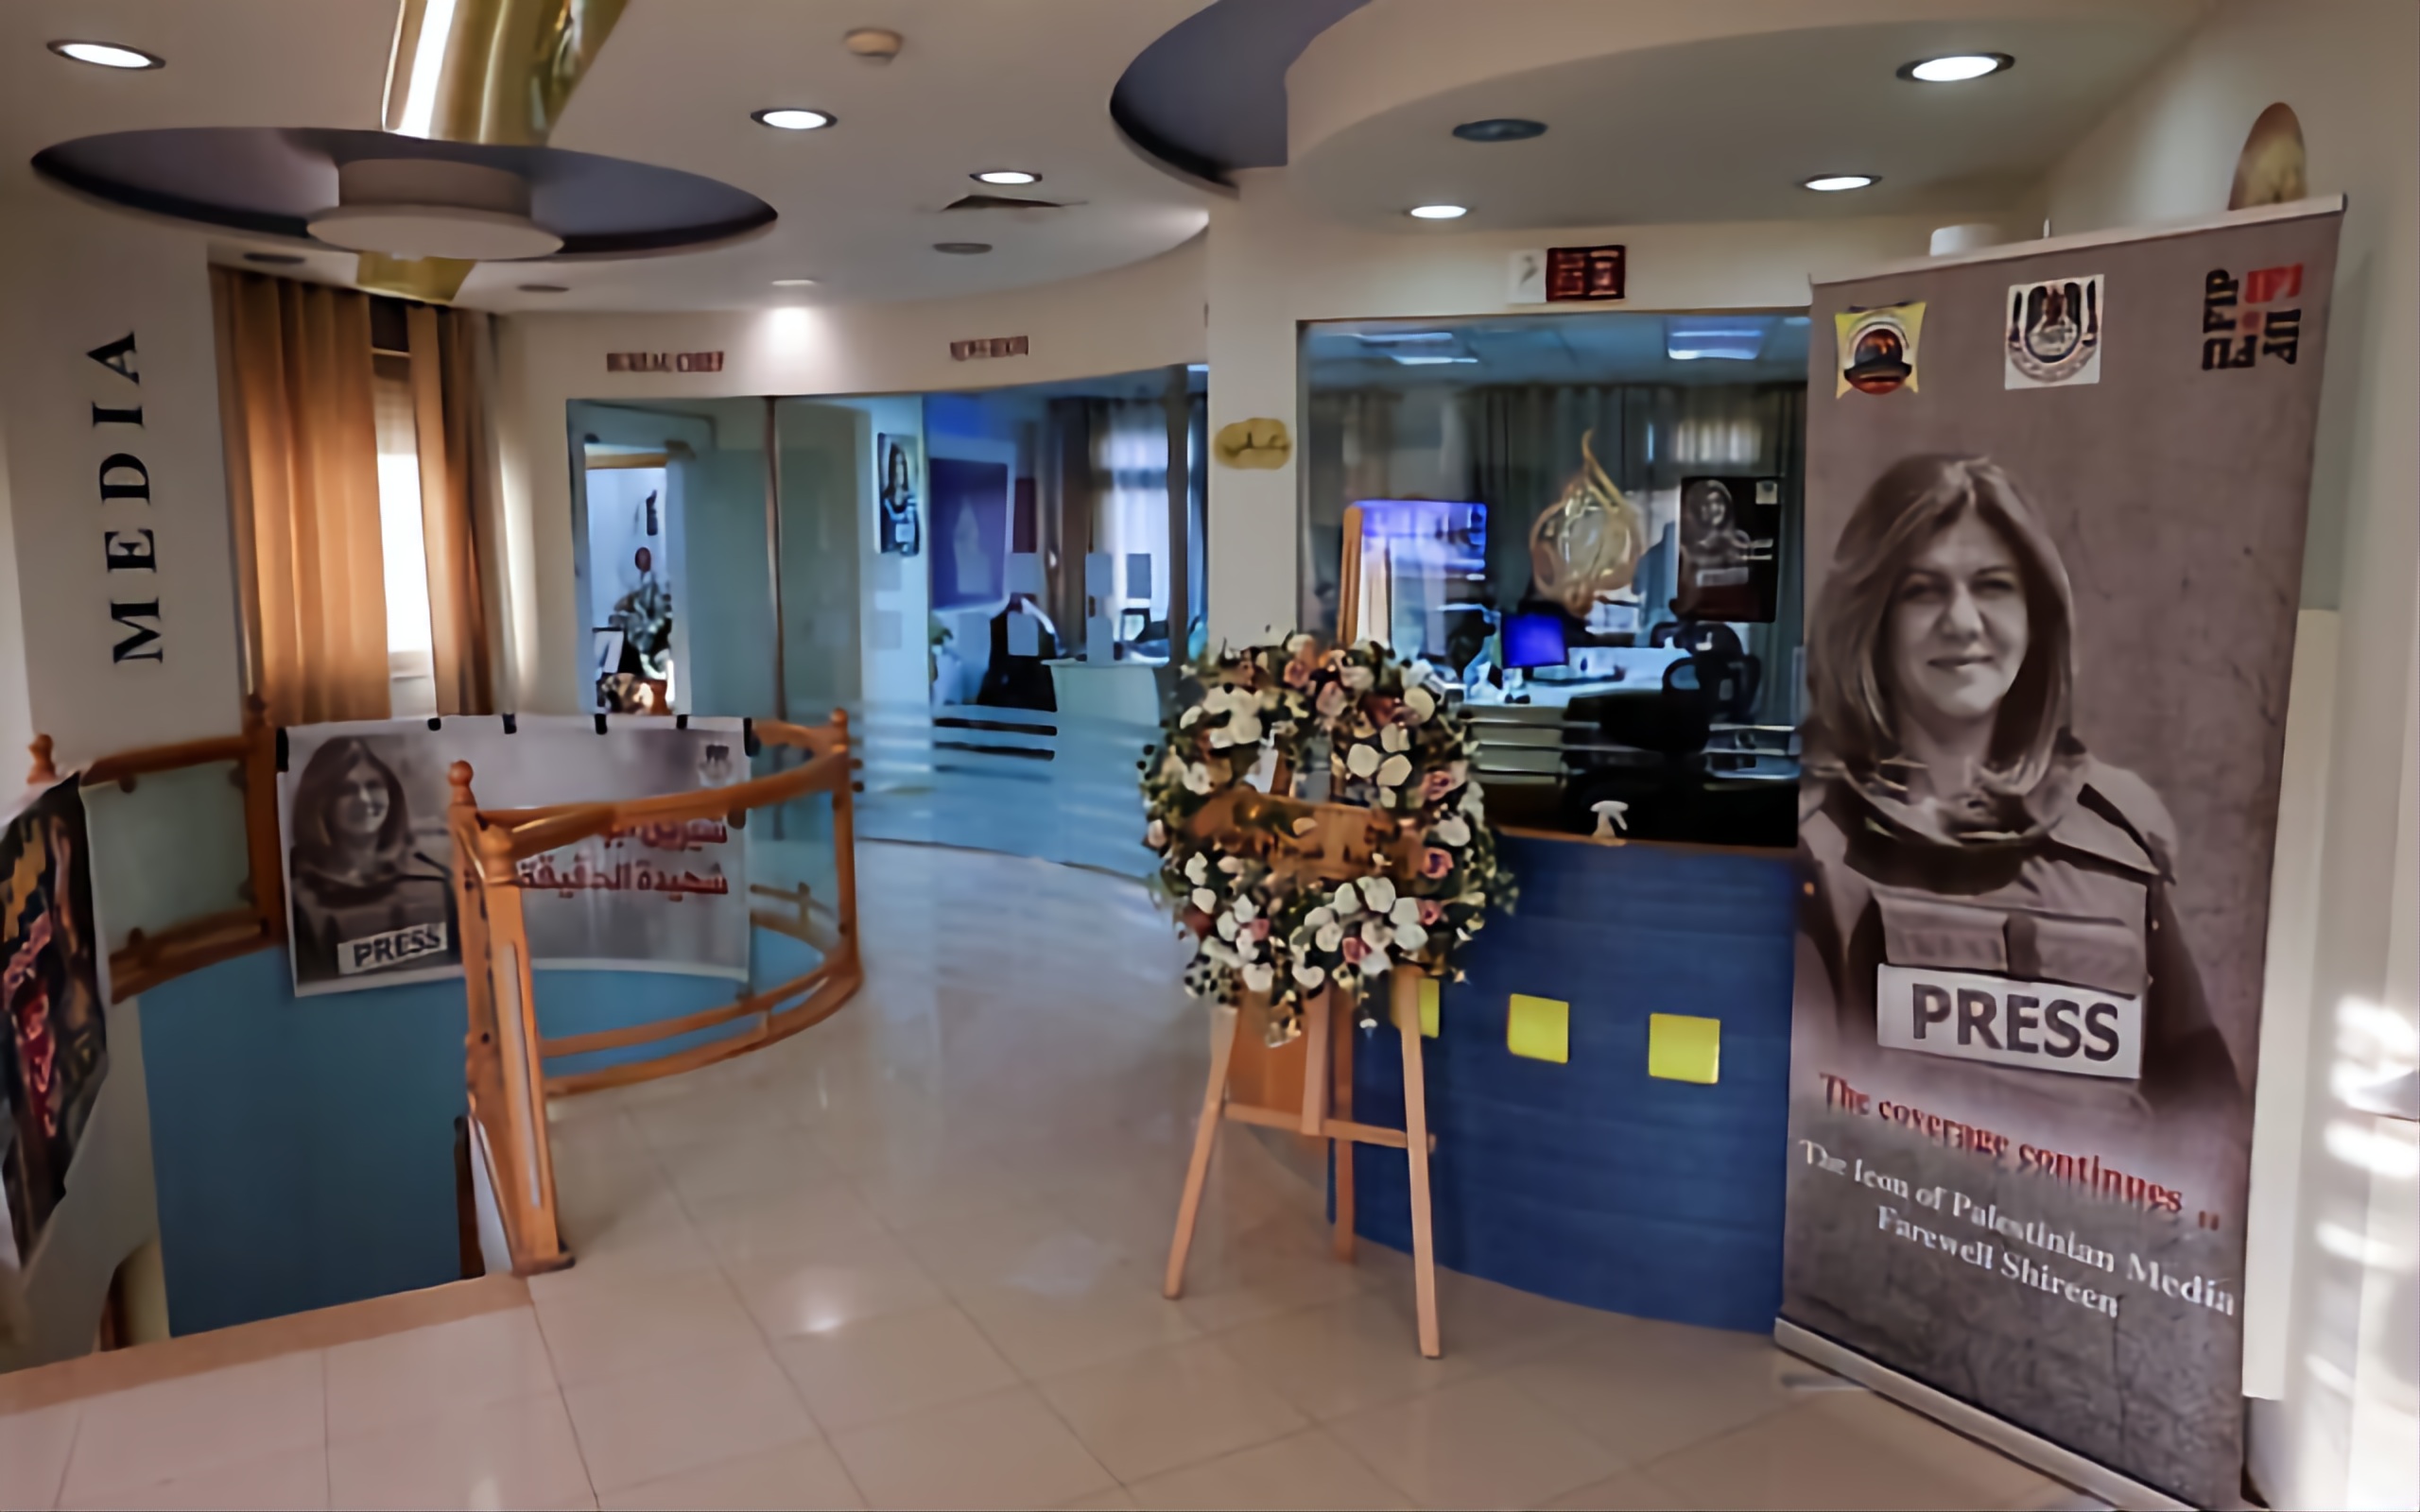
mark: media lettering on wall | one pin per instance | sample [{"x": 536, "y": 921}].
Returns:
[
  {"x": 129, "y": 542},
  {"x": 988, "y": 347}
]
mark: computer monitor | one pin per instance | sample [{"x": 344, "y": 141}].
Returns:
[{"x": 1535, "y": 638}]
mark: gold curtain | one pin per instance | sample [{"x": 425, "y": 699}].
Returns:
[
  {"x": 295, "y": 400},
  {"x": 450, "y": 363}
]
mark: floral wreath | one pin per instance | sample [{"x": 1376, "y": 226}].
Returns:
[{"x": 1244, "y": 719}]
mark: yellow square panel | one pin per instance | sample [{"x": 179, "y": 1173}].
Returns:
[
  {"x": 1681, "y": 1048},
  {"x": 1539, "y": 1028},
  {"x": 1429, "y": 985}
]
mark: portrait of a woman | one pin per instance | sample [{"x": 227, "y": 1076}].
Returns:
[
  {"x": 355, "y": 876},
  {"x": 1952, "y": 819}
]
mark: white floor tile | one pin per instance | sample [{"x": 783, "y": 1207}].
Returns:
[
  {"x": 378, "y": 1382},
  {"x": 1164, "y": 1408},
  {"x": 33, "y": 1453},
  {"x": 194, "y": 1424},
  {"x": 293, "y": 1479},
  {"x": 803, "y": 1476},
  {"x": 509, "y": 1454},
  {"x": 687, "y": 1413},
  {"x": 886, "y": 1366},
  {"x": 1005, "y": 1450}
]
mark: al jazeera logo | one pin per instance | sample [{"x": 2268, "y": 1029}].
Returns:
[{"x": 1877, "y": 348}]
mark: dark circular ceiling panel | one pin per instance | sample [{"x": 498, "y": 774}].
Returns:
[{"x": 270, "y": 181}]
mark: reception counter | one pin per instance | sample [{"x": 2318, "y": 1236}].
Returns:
[{"x": 1588, "y": 1179}]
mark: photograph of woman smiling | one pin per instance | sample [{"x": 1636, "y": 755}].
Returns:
[
  {"x": 1951, "y": 819},
  {"x": 355, "y": 873}
]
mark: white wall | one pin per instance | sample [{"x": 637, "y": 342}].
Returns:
[
  {"x": 1145, "y": 316},
  {"x": 2343, "y": 1433},
  {"x": 1276, "y": 263},
  {"x": 81, "y": 279}
]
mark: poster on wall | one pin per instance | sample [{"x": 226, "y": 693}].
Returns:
[
  {"x": 900, "y": 530},
  {"x": 1728, "y": 528},
  {"x": 362, "y": 811},
  {"x": 56, "y": 1052},
  {"x": 970, "y": 535},
  {"x": 2047, "y": 667}
]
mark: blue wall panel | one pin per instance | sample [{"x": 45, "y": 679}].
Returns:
[
  {"x": 304, "y": 1149},
  {"x": 1591, "y": 1181}
]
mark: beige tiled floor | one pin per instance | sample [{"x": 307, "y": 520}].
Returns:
[{"x": 911, "y": 1259}]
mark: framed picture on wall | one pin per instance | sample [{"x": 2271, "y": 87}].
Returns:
[
  {"x": 901, "y": 528},
  {"x": 970, "y": 535}
]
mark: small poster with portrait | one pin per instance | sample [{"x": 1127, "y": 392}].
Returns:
[
  {"x": 369, "y": 856},
  {"x": 900, "y": 530},
  {"x": 1728, "y": 528}
]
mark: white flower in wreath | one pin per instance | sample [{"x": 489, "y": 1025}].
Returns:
[
  {"x": 1243, "y": 729},
  {"x": 1472, "y": 803},
  {"x": 1204, "y": 899},
  {"x": 1376, "y": 933},
  {"x": 1356, "y": 679},
  {"x": 1330, "y": 938},
  {"x": 1244, "y": 910},
  {"x": 1197, "y": 778},
  {"x": 1297, "y": 644},
  {"x": 1226, "y": 926},
  {"x": 1452, "y": 830},
  {"x": 1411, "y": 938},
  {"x": 1362, "y": 760},
  {"x": 1197, "y": 869},
  {"x": 1421, "y": 670},
  {"x": 1247, "y": 948},
  {"x": 1379, "y": 893},
  {"x": 1348, "y": 900},
  {"x": 1421, "y": 704},
  {"x": 1396, "y": 738},
  {"x": 1309, "y": 974},
  {"x": 1155, "y": 835},
  {"x": 1319, "y": 918},
  {"x": 1260, "y": 976},
  {"x": 1396, "y": 770},
  {"x": 1192, "y": 716},
  {"x": 1406, "y": 911}
]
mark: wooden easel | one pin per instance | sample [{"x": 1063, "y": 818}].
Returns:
[
  {"x": 1250, "y": 1083},
  {"x": 1320, "y": 1107}
]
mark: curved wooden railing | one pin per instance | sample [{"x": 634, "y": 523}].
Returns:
[
  {"x": 505, "y": 1055},
  {"x": 147, "y": 960},
  {"x": 506, "y": 1058}
]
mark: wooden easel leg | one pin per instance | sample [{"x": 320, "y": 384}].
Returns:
[
  {"x": 1340, "y": 1103},
  {"x": 1205, "y": 1138},
  {"x": 1403, "y": 987}
]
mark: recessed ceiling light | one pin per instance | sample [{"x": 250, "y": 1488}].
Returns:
[
  {"x": 1832, "y": 184},
  {"x": 963, "y": 249},
  {"x": 1731, "y": 341},
  {"x": 545, "y": 288},
  {"x": 1415, "y": 359},
  {"x": 1500, "y": 129},
  {"x": 274, "y": 259},
  {"x": 1004, "y": 175},
  {"x": 107, "y": 55},
  {"x": 1390, "y": 338},
  {"x": 1955, "y": 68},
  {"x": 792, "y": 283},
  {"x": 790, "y": 118},
  {"x": 1437, "y": 212}
]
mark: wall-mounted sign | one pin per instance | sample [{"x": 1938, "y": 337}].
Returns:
[
  {"x": 988, "y": 347},
  {"x": 1586, "y": 273},
  {"x": 664, "y": 362}
]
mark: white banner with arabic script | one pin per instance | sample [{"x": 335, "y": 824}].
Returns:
[{"x": 368, "y": 857}]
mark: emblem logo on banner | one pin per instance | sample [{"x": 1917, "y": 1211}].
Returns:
[
  {"x": 2053, "y": 334},
  {"x": 1877, "y": 348}
]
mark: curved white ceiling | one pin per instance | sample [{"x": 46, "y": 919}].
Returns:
[
  {"x": 1663, "y": 110},
  {"x": 1022, "y": 84}
]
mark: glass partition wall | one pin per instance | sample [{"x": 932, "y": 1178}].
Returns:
[
  {"x": 1592, "y": 520},
  {"x": 987, "y": 581}
]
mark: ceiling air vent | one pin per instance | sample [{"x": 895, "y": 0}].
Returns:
[{"x": 1001, "y": 203}]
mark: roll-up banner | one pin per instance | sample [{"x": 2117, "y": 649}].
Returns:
[
  {"x": 2055, "y": 503},
  {"x": 369, "y": 857}
]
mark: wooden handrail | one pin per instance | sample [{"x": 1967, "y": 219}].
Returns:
[
  {"x": 505, "y": 1055},
  {"x": 167, "y": 758}
]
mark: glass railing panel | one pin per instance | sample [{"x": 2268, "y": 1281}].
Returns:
[{"x": 168, "y": 848}]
